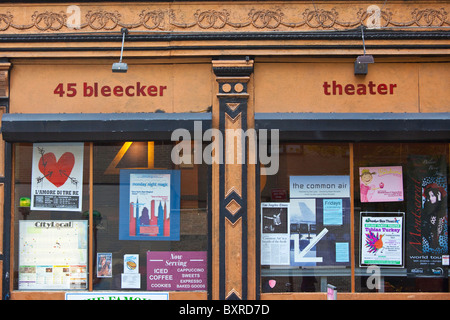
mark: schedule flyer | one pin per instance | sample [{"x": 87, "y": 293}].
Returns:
[
  {"x": 382, "y": 240},
  {"x": 52, "y": 254}
]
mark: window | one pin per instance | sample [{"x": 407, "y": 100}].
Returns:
[
  {"x": 144, "y": 209},
  {"x": 305, "y": 235},
  {"x": 412, "y": 258},
  {"x": 51, "y": 220},
  {"x": 386, "y": 232}
]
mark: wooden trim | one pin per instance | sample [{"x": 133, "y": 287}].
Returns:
[
  {"x": 357, "y": 296},
  {"x": 59, "y": 295},
  {"x": 13, "y": 214},
  {"x": 352, "y": 219},
  {"x": 91, "y": 217}
]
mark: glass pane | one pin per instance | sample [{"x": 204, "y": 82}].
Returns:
[
  {"x": 305, "y": 220},
  {"x": 150, "y": 219},
  {"x": 407, "y": 183},
  {"x": 51, "y": 201}
]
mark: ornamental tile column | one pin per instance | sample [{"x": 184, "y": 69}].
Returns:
[{"x": 233, "y": 183}]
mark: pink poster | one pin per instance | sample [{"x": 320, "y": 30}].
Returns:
[
  {"x": 176, "y": 271},
  {"x": 381, "y": 184}
]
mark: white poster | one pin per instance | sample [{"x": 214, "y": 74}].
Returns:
[
  {"x": 57, "y": 176},
  {"x": 275, "y": 239},
  {"x": 382, "y": 240},
  {"x": 52, "y": 254}
]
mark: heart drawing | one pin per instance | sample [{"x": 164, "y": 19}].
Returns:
[{"x": 57, "y": 172}]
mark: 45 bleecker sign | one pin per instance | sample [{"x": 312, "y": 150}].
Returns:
[{"x": 95, "y": 89}]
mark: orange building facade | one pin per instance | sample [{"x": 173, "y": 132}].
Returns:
[{"x": 231, "y": 159}]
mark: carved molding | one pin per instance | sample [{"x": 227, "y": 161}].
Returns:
[{"x": 289, "y": 17}]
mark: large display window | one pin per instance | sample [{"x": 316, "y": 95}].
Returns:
[
  {"x": 109, "y": 216},
  {"x": 362, "y": 217},
  {"x": 401, "y": 217},
  {"x": 305, "y": 220}
]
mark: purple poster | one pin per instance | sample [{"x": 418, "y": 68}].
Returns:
[{"x": 176, "y": 271}]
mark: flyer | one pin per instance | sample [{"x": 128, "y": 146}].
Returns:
[
  {"x": 149, "y": 205},
  {"x": 57, "y": 176},
  {"x": 427, "y": 215},
  {"x": 53, "y": 254},
  {"x": 131, "y": 263},
  {"x": 381, "y": 184},
  {"x": 382, "y": 239},
  {"x": 104, "y": 265},
  {"x": 177, "y": 270},
  {"x": 275, "y": 239}
]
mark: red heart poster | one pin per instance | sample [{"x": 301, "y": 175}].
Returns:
[
  {"x": 57, "y": 174},
  {"x": 57, "y": 171}
]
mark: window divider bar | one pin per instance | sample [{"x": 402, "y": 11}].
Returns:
[
  {"x": 91, "y": 216},
  {"x": 352, "y": 218}
]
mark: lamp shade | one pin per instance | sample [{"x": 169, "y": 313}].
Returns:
[{"x": 365, "y": 59}]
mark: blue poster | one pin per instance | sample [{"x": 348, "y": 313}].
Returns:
[
  {"x": 332, "y": 212},
  {"x": 149, "y": 205}
]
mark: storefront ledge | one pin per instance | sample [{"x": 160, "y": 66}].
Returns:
[
  {"x": 358, "y": 296},
  {"x": 35, "y": 295},
  {"x": 58, "y": 295},
  {"x": 357, "y": 126},
  {"x": 294, "y": 296},
  {"x": 93, "y": 127}
]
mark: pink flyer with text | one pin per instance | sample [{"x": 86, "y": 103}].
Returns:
[{"x": 381, "y": 184}]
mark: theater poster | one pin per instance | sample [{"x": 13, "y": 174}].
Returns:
[
  {"x": 382, "y": 239},
  {"x": 427, "y": 215},
  {"x": 149, "y": 205},
  {"x": 57, "y": 176}
]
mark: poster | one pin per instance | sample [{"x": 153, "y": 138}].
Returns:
[
  {"x": 149, "y": 205},
  {"x": 275, "y": 240},
  {"x": 427, "y": 215},
  {"x": 177, "y": 270},
  {"x": 52, "y": 254},
  {"x": 381, "y": 184},
  {"x": 57, "y": 176},
  {"x": 319, "y": 220},
  {"x": 382, "y": 239}
]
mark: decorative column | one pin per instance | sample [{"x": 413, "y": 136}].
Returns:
[
  {"x": 232, "y": 214},
  {"x": 5, "y": 186}
]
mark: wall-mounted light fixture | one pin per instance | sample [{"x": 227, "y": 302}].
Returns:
[
  {"x": 362, "y": 62},
  {"x": 121, "y": 66}
]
